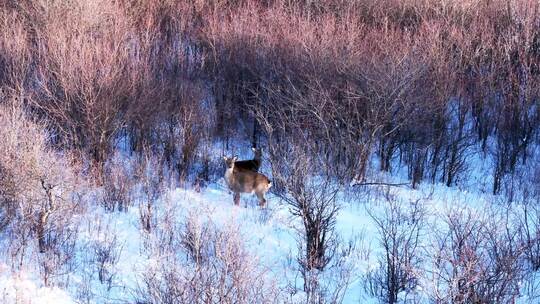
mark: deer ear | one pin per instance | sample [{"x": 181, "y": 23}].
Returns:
[
  {"x": 235, "y": 157},
  {"x": 225, "y": 158}
]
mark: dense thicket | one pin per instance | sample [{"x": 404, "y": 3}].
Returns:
[{"x": 416, "y": 82}]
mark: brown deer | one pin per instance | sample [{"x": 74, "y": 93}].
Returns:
[
  {"x": 251, "y": 164},
  {"x": 245, "y": 181}
]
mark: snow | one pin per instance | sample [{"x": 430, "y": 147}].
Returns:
[
  {"x": 20, "y": 288},
  {"x": 271, "y": 235}
]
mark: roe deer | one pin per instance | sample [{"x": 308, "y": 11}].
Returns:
[
  {"x": 245, "y": 181},
  {"x": 251, "y": 164}
]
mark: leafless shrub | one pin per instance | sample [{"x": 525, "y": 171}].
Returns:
[
  {"x": 312, "y": 199},
  {"x": 15, "y": 52},
  {"x": 211, "y": 168},
  {"x": 8, "y": 206},
  {"x": 478, "y": 259},
  {"x": 301, "y": 180},
  {"x": 530, "y": 233},
  {"x": 458, "y": 142},
  {"x": 163, "y": 237},
  {"x": 192, "y": 239},
  {"x": 225, "y": 273},
  {"x": 117, "y": 186},
  {"x": 59, "y": 259},
  {"x": 80, "y": 92},
  {"x": 98, "y": 254},
  {"x": 401, "y": 227},
  {"x": 100, "y": 79},
  {"x": 152, "y": 176},
  {"x": 331, "y": 284},
  {"x": 85, "y": 291},
  {"x": 191, "y": 120},
  {"x": 106, "y": 254},
  {"x": 44, "y": 189},
  {"x": 526, "y": 206}
]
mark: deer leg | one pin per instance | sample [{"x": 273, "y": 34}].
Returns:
[
  {"x": 262, "y": 200},
  {"x": 237, "y": 198}
]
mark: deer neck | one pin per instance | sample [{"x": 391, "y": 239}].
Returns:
[
  {"x": 229, "y": 175},
  {"x": 257, "y": 158}
]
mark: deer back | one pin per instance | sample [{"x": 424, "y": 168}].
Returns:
[
  {"x": 251, "y": 164},
  {"x": 242, "y": 180}
]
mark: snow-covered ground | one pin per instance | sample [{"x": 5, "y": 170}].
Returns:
[{"x": 270, "y": 234}]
